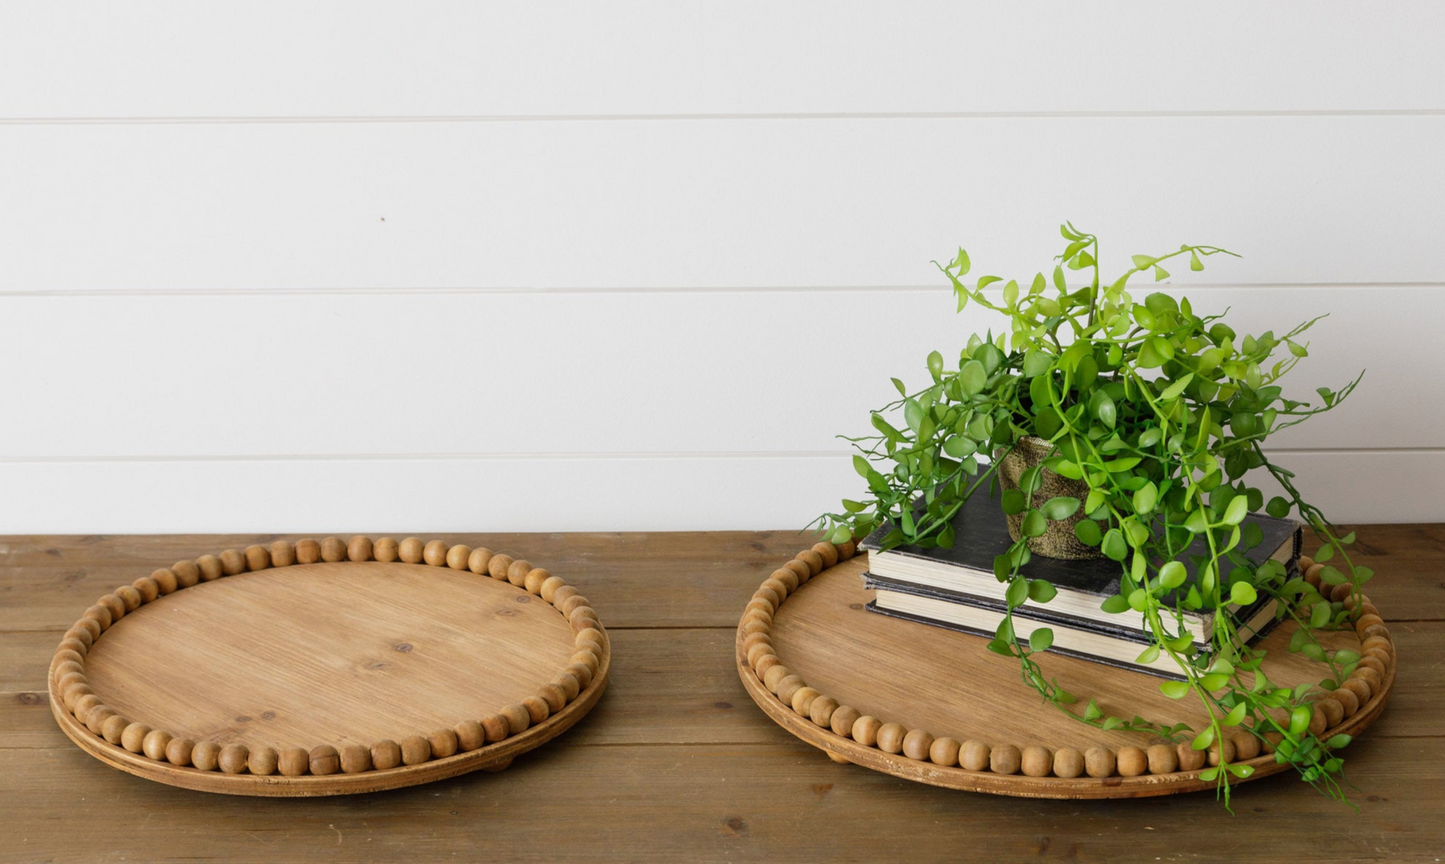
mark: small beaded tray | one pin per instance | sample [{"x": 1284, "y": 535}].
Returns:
[
  {"x": 328, "y": 668},
  {"x": 875, "y": 691}
]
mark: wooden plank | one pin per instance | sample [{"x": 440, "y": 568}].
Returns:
[
  {"x": 706, "y": 204},
  {"x": 680, "y": 686},
  {"x": 658, "y": 579},
  {"x": 165, "y": 59},
  {"x": 764, "y": 802},
  {"x": 776, "y": 368}
]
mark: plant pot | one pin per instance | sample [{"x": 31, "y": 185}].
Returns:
[{"x": 1059, "y": 540}]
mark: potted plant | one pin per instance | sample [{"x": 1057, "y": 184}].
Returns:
[{"x": 1145, "y": 418}]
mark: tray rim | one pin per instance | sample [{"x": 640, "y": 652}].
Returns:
[
  {"x": 845, "y": 749},
  {"x": 491, "y": 757}
]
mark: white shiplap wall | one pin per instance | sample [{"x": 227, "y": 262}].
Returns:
[{"x": 341, "y": 266}]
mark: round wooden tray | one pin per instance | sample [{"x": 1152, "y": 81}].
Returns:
[
  {"x": 328, "y": 668},
  {"x": 843, "y": 665}
]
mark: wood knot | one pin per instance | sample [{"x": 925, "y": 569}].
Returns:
[
  {"x": 268, "y": 715},
  {"x": 523, "y": 598},
  {"x": 506, "y": 613},
  {"x": 29, "y": 698},
  {"x": 736, "y": 825},
  {"x": 821, "y": 789},
  {"x": 404, "y": 647},
  {"x": 244, "y": 718},
  {"x": 855, "y": 605},
  {"x": 722, "y": 706}
]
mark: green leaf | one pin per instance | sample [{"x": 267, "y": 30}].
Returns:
[
  {"x": 1115, "y": 604},
  {"x": 1148, "y": 655},
  {"x": 1241, "y": 770},
  {"x": 1194, "y": 263},
  {"x": 1277, "y": 507},
  {"x": 1041, "y": 639},
  {"x": 1175, "y": 690},
  {"x": 972, "y": 377},
  {"x": 1299, "y": 720},
  {"x": 842, "y": 534},
  {"x": 1034, "y": 524},
  {"x": 1173, "y": 390},
  {"x": 1101, "y": 405},
  {"x": 1092, "y": 711},
  {"x": 986, "y": 281},
  {"x": 935, "y": 363},
  {"x": 1011, "y": 292},
  {"x": 1203, "y": 739},
  {"x": 1319, "y": 615},
  {"x": 1087, "y": 530},
  {"x": 1014, "y": 502},
  {"x": 1143, "y": 262},
  {"x": 1160, "y": 274},
  {"x": 1114, "y": 545},
  {"x": 902, "y": 391},
  {"x": 1042, "y": 591},
  {"x": 1214, "y": 681},
  {"x": 1000, "y": 647},
  {"x": 1145, "y": 498},
  {"x": 1237, "y": 510},
  {"x": 1172, "y": 575},
  {"x": 1059, "y": 281},
  {"x": 962, "y": 262},
  {"x": 861, "y": 466},
  {"x": 1208, "y": 773},
  {"x": 1242, "y": 593},
  {"x": 1060, "y": 508},
  {"x": 1236, "y": 716},
  {"x": 1338, "y": 741},
  {"x": 1017, "y": 593},
  {"x": 1036, "y": 363}
]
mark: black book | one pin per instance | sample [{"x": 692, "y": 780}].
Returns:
[
  {"x": 981, "y": 534},
  {"x": 1092, "y": 640}
]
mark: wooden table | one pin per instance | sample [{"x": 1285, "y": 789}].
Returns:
[{"x": 676, "y": 763}]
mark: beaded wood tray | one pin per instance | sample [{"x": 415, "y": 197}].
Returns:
[
  {"x": 327, "y": 668},
  {"x": 929, "y": 704}
]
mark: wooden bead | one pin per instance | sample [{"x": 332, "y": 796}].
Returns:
[
  {"x": 283, "y": 554},
  {"x": 1306, "y": 562},
  {"x": 68, "y": 654},
  {"x": 1188, "y": 758},
  {"x": 178, "y": 752},
  {"x": 591, "y": 640},
  {"x": 1334, "y": 712},
  {"x": 470, "y": 735},
  {"x": 549, "y": 588},
  {"x": 96, "y": 717},
  {"x": 1375, "y": 630},
  {"x": 534, "y": 579},
  {"x": 263, "y": 761},
  {"x": 1068, "y": 763},
  {"x": 1365, "y": 621},
  {"x": 1131, "y": 761},
  {"x": 294, "y": 761},
  {"x": 759, "y": 650},
  {"x": 360, "y": 548},
  {"x": 148, "y": 588},
  {"x": 1226, "y": 746},
  {"x": 554, "y": 696},
  {"x": 561, "y": 594},
  {"x": 821, "y": 711},
  {"x": 517, "y": 571},
  {"x": 1163, "y": 759},
  {"x": 211, "y": 570},
  {"x": 788, "y": 578},
  {"x": 766, "y": 662},
  {"x": 828, "y": 552},
  {"x": 1381, "y": 642},
  {"x": 803, "y": 571},
  {"x": 1369, "y": 676},
  {"x": 890, "y": 737},
  {"x": 497, "y": 567},
  {"x": 257, "y": 557},
  {"x": 776, "y": 587},
  {"x": 74, "y": 692},
  {"x": 496, "y": 728},
  {"x": 1374, "y": 663},
  {"x": 570, "y": 685},
  {"x": 572, "y": 602},
  {"x": 80, "y": 635},
  {"x": 812, "y": 559},
  {"x": 130, "y": 597},
  {"x": 974, "y": 755},
  {"x": 411, "y": 550},
  {"x": 865, "y": 730},
  {"x": 73, "y": 645},
  {"x": 943, "y": 751},
  {"x": 1099, "y": 762},
  {"x": 769, "y": 594},
  {"x": 518, "y": 718},
  {"x": 100, "y": 615},
  {"x": 187, "y": 573},
  {"x": 385, "y": 754},
  {"x": 1360, "y": 689},
  {"x": 1349, "y": 702},
  {"x": 458, "y": 556},
  {"x": 233, "y": 758},
  {"x": 443, "y": 743},
  {"x": 1341, "y": 591},
  {"x": 114, "y": 728},
  {"x": 844, "y": 716},
  {"x": 205, "y": 756},
  {"x": 114, "y": 605},
  {"x": 1004, "y": 759},
  {"x": 233, "y": 562},
  {"x": 307, "y": 552},
  {"x": 537, "y": 710},
  {"x": 355, "y": 758},
  {"x": 917, "y": 744},
  {"x": 323, "y": 758},
  {"x": 166, "y": 580},
  {"x": 847, "y": 549},
  {"x": 587, "y": 658},
  {"x": 332, "y": 551},
  {"x": 84, "y": 705},
  {"x": 385, "y": 550},
  {"x": 1246, "y": 746},
  {"x": 479, "y": 561},
  {"x": 788, "y": 687},
  {"x": 581, "y": 672},
  {"x": 1379, "y": 654},
  {"x": 756, "y": 625},
  {"x": 1271, "y": 740},
  {"x": 1312, "y": 574},
  {"x": 1037, "y": 761},
  {"x": 91, "y": 626}
]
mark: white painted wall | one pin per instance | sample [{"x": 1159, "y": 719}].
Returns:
[{"x": 354, "y": 266}]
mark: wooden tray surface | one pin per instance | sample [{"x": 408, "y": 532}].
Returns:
[
  {"x": 946, "y": 683},
  {"x": 336, "y": 654}
]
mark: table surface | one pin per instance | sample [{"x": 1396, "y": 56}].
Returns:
[{"x": 676, "y": 763}]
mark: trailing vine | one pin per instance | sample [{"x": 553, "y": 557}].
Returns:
[{"x": 1162, "y": 412}]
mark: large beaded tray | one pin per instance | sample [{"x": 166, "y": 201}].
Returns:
[
  {"x": 330, "y": 667},
  {"x": 931, "y": 705}
]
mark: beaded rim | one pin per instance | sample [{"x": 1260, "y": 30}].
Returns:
[
  {"x": 71, "y": 692},
  {"x": 839, "y": 727}
]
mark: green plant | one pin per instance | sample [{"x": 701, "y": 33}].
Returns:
[{"x": 1163, "y": 413}]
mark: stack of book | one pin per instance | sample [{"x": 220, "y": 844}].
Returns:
[{"x": 956, "y": 588}]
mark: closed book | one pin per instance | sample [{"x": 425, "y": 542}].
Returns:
[
  {"x": 981, "y": 534},
  {"x": 1076, "y": 637}
]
